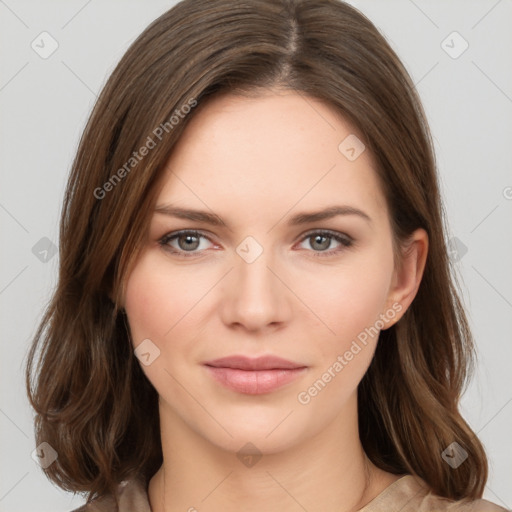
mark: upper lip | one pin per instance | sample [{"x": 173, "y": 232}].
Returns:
[{"x": 256, "y": 363}]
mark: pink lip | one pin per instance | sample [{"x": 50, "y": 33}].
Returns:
[
  {"x": 254, "y": 363},
  {"x": 254, "y": 376}
]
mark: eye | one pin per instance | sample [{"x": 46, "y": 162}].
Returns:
[
  {"x": 187, "y": 243},
  {"x": 320, "y": 241},
  {"x": 183, "y": 243}
]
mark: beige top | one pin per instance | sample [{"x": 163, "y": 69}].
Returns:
[{"x": 407, "y": 494}]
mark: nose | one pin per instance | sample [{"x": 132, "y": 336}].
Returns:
[{"x": 256, "y": 297}]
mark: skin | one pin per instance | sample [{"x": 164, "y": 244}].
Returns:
[{"x": 255, "y": 162}]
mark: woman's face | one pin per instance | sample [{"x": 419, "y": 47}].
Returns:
[{"x": 263, "y": 279}]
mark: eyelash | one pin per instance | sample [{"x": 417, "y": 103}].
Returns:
[{"x": 344, "y": 240}]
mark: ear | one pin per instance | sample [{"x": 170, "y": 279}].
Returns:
[{"x": 406, "y": 279}]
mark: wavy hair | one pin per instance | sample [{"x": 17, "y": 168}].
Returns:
[{"x": 93, "y": 403}]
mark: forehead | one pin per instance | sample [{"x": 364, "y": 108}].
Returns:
[{"x": 271, "y": 151}]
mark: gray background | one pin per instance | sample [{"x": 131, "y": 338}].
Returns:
[{"x": 44, "y": 104}]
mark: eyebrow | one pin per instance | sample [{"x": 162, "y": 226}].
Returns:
[{"x": 296, "y": 220}]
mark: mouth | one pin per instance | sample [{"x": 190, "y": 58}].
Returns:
[{"x": 254, "y": 376}]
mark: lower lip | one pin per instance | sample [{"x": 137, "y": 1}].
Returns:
[{"x": 254, "y": 382}]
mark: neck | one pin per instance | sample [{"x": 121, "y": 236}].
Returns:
[{"x": 328, "y": 472}]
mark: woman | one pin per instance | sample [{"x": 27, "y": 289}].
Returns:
[{"x": 255, "y": 309}]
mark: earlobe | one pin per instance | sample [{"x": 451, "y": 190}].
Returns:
[
  {"x": 118, "y": 305},
  {"x": 111, "y": 298},
  {"x": 117, "y": 297},
  {"x": 407, "y": 279}
]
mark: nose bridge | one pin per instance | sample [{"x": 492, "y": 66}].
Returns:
[
  {"x": 253, "y": 275},
  {"x": 258, "y": 298}
]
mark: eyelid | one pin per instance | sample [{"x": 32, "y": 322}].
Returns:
[
  {"x": 345, "y": 240},
  {"x": 164, "y": 240},
  {"x": 329, "y": 232}
]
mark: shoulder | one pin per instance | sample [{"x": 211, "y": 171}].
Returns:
[
  {"x": 411, "y": 494},
  {"x": 131, "y": 494}
]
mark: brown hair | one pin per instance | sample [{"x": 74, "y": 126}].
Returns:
[{"x": 93, "y": 403}]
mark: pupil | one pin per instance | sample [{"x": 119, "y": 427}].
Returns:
[
  {"x": 324, "y": 245},
  {"x": 190, "y": 240}
]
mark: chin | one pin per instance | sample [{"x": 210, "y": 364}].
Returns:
[{"x": 250, "y": 441}]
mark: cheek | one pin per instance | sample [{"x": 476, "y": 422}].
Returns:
[
  {"x": 158, "y": 301},
  {"x": 161, "y": 304},
  {"x": 350, "y": 298},
  {"x": 144, "y": 305},
  {"x": 341, "y": 300},
  {"x": 350, "y": 306}
]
